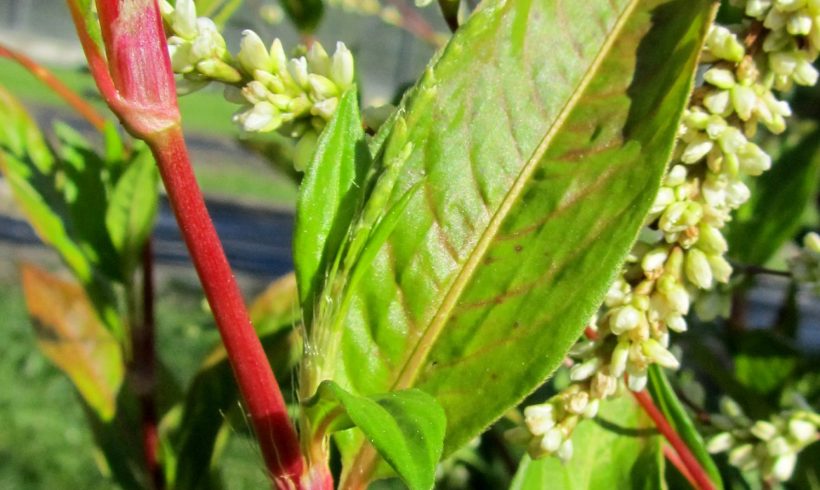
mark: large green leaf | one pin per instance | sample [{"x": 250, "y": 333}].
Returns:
[
  {"x": 538, "y": 138},
  {"x": 773, "y": 214},
  {"x": 406, "y": 427},
  {"x": 668, "y": 402},
  {"x": 328, "y": 198},
  {"x": 619, "y": 449}
]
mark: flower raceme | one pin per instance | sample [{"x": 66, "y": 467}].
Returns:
[{"x": 298, "y": 95}]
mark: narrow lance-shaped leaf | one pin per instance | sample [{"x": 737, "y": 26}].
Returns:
[
  {"x": 539, "y": 137},
  {"x": 406, "y": 427},
  {"x": 71, "y": 335},
  {"x": 619, "y": 449},
  {"x": 328, "y": 198}
]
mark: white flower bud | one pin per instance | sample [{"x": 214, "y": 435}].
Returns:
[
  {"x": 539, "y": 418},
  {"x": 724, "y": 44},
  {"x": 743, "y": 457},
  {"x": 753, "y": 160},
  {"x": 757, "y": 8},
  {"x": 737, "y": 193},
  {"x": 318, "y": 60},
  {"x": 637, "y": 382},
  {"x": 297, "y": 68},
  {"x": 805, "y": 73},
  {"x": 717, "y": 101},
  {"x": 565, "y": 451},
  {"x": 730, "y": 408},
  {"x": 342, "y": 70},
  {"x": 763, "y": 430},
  {"x": 218, "y": 70},
  {"x": 731, "y": 140},
  {"x": 322, "y": 87},
  {"x": 624, "y": 319},
  {"x": 658, "y": 353},
  {"x": 715, "y": 126},
  {"x": 711, "y": 240},
  {"x": 696, "y": 149},
  {"x": 618, "y": 292},
  {"x": 580, "y": 372},
  {"x": 676, "y": 176},
  {"x": 602, "y": 386},
  {"x": 720, "y": 77},
  {"x": 783, "y": 62},
  {"x": 784, "y": 466},
  {"x": 743, "y": 100},
  {"x": 698, "y": 270},
  {"x": 721, "y": 270},
  {"x": 720, "y": 443},
  {"x": 262, "y": 117},
  {"x": 184, "y": 21},
  {"x": 802, "y": 430},
  {"x": 619, "y": 358},
  {"x": 278, "y": 56},
  {"x": 253, "y": 55},
  {"x": 778, "y": 445},
  {"x": 325, "y": 108},
  {"x": 676, "y": 323},
  {"x": 664, "y": 198},
  {"x": 674, "y": 294},
  {"x": 654, "y": 259},
  {"x": 577, "y": 402},
  {"x": 799, "y": 24},
  {"x": 552, "y": 440}
]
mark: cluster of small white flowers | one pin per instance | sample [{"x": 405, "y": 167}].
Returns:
[
  {"x": 301, "y": 92},
  {"x": 770, "y": 446},
  {"x": 805, "y": 266},
  {"x": 681, "y": 249}
]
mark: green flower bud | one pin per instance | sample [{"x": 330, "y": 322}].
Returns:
[
  {"x": 799, "y": 24},
  {"x": 564, "y": 452},
  {"x": 218, "y": 70},
  {"x": 184, "y": 19},
  {"x": 724, "y": 44},
  {"x": 805, "y": 73},
  {"x": 654, "y": 260},
  {"x": 580, "y": 372},
  {"x": 696, "y": 149},
  {"x": 322, "y": 88},
  {"x": 539, "y": 418},
  {"x": 674, "y": 294},
  {"x": 325, "y": 108},
  {"x": 318, "y": 60},
  {"x": 698, "y": 269},
  {"x": 743, "y": 457},
  {"x": 763, "y": 430},
  {"x": 753, "y": 161},
  {"x": 278, "y": 56},
  {"x": 717, "y": 101},
  {"x": 297, "y": 68},
  {"x": 552, "y": 440},
  {"x": 720, "y": 77},
  {"x": 711, "y": 240},
  {"x": 659, "y": 354}
]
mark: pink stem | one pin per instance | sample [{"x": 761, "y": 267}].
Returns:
[{"x": 257, "y": 384}]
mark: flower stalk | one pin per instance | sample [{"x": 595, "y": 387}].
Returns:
[{"x": 137, "y": 82}]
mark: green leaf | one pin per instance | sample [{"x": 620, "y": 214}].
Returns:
[
  {"x": 406, "y": 427},
  {"x": 619, "y": 449},
  {"x": 774, "y": 213},
  {"x": 132, "y": 209},
  {"x": 668, "y": 402},
  {"x": 305, "y": 14},
  {"x": 53, "y": 193},
  {"x": 328, "y": 198},
  {"x": 71, "y": 335},
  {"x": 764, "y": 363},
  {"x": 538, "y": 138}
]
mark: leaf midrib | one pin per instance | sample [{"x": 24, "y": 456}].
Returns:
[{"x": 411, "y": 367}]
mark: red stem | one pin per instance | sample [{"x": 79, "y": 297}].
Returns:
[
  {"x": 696, "y": 471},
  {"x": 257, "y": 384},
  {"x": 673, "y": 458},
  {"x": 44, "y": 75},
  {"x": 415, "y": 23}
]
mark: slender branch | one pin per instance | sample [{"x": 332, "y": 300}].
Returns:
[
  {"x": 696, "y": 471},
  {"x": 44, "y": 75},
  {"x": 145, "y": 362},
  {"x": 257, "y": 384},
  {"x": 750, "y": 269}
]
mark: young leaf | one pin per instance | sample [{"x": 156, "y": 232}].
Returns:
[
  {"x": 71, "y": 335},
  {"x": 667, "y": 401},
  {"x": 406, "y": 427},
  {"x": 619, "y": 449},
  {"x": 773, "y": 214},
  {"x": 539, "y": 137},
  {"x": 328, "y": 198},
  {"x": 132, "y": 209},
  {"x": 764, "y": 362}
]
